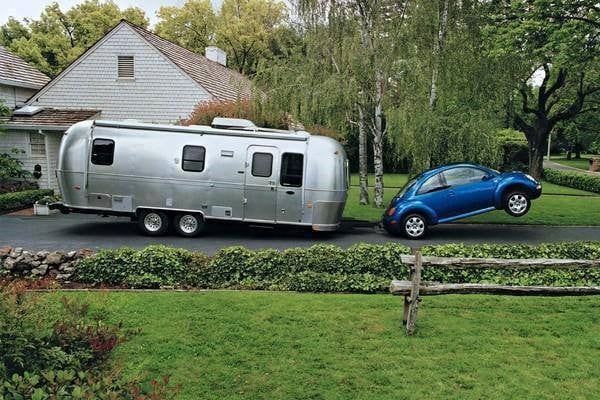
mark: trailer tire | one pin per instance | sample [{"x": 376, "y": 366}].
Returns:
[
  {"x": 153, "y": 222},
  {"x": 188, "y": 224}
]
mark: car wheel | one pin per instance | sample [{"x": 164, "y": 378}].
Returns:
[
  {"x": 153, "y": 222},
  {"x": 188, "y": 224},
  {"x": 517, "y": 203},
  {"x": 414, "y": 226}
]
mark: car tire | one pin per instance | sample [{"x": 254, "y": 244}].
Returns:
[
  {"x": 188, "y": 224},
  {"x": 414, "y": 226},
  {"x": 153, "y": 222},
  {"x": 517, "y": 203}
]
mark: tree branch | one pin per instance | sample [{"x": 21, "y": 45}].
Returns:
[{"x": 526, "y": 108}]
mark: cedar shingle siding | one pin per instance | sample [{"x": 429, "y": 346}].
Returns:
[{"x": 160, "y": 91}]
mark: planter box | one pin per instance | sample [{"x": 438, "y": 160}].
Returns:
[{"x": 42, "y": 209}]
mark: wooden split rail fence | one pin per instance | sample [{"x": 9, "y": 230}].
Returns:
[{"x": 414, "y": 288}]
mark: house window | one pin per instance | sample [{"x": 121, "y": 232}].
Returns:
[
  {"x": 262, "y": 164},
  {"x": 103, "y": 152},
  {"x": 291, "y": 169},
  {"x": 193, "y": 158},
  {"x": 125, "y": 67},
  {"x": 37, "y": 144}
]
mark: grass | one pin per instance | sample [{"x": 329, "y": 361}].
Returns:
[
  {"x": 570, "y": 207},
  {"x": 581, "y": 163},
  {"x": 261, "y": 345}
]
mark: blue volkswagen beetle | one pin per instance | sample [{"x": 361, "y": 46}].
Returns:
[{"x": 457, "y": 191}]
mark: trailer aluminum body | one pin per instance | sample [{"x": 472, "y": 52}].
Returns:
[{"x": 248, "y": 174}]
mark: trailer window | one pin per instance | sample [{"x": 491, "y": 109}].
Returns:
[
  {"x": 292, "y": 165},
  {"x": 103, "y": 151},
  {"x": 193, "y": 158},
  {"x": 262, "y": 164}
]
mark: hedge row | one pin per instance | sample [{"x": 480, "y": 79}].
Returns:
[
  {"x": 363, "y": 268},
  {"x": 577, "y": 180},
  {"x": 18, "y": 200}
]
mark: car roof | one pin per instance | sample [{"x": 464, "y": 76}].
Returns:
[{"x": 435, "y": 170}]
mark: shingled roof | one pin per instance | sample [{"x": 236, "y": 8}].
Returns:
[
  {"x": 48, "y": 118},
  {"x": 16, "y": 72},
  {"x": 222, "y": 82}
]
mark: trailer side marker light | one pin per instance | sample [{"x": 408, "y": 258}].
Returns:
[
  {"x": 309, "y": 205},
  {"x": 77, "y": 187}
]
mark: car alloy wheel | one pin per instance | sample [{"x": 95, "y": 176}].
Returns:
[
  {"x": 153, "y": 222},
  {"x": 189, "y": 225},
  {"x": 415, "y": 226},
  {"x": 517, "y": 204}
]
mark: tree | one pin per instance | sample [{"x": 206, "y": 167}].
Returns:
[
  {"x": 447, "y": 97},
  {"x": 192, "y": 25},
  {"x": 54, "y": 40},
  {"x": 245, "y": 29},
  {"x": 559, "y": 40}
]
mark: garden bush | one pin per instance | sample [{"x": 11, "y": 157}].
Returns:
[
  {"x": 515, "y": 150},
  {"x": 18, "y": 200},
  {"x": 576, "y": 180},
  {"x": 57, "y": 351},
  {"x": 362, "y": 268}
]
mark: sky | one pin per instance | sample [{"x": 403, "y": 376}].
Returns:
[{"x": 20, "y": 9}]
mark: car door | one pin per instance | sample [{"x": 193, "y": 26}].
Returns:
[
  {"x": 434, "y": 194},
  {"x": 470, "y": 189},
  {"x": 260, "y": 188}
]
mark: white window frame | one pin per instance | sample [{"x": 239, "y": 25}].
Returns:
[{"x": 36, "y": 145}]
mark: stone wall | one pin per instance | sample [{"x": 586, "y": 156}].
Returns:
[{"x": 59, "y": 265}]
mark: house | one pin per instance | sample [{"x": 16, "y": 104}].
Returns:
[
  {"x": 130, "y": 73},
  {"x": 18, "y": 80}
]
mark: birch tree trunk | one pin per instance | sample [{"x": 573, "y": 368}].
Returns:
[
  {"x": 378, "y": 131},
  {"x": 438, "y": 47},
  {"x": 362, "y": 158}
]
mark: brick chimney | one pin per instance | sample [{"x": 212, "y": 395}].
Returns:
[{"x": 214, "y": 53}]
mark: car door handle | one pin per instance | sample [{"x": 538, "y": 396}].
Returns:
[{"x": 290, "y": 192}]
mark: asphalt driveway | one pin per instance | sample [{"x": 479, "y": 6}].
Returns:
[{"x": 73, "y": 231}]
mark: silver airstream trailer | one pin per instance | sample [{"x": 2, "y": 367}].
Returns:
[{"x": 166, "y": 175}]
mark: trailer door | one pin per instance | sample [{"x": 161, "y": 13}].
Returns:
[{"x": 260, "y": 191}]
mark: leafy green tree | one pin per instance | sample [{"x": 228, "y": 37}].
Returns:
[
  {"x": 192, "y": 25},
  {"x": 245, "y": 29},
  {"x": 54, "y": 40},
  {"x": 558, "y": 39}
]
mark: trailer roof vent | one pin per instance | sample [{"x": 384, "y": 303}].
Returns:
[
  {"x": 27, "y": 111},
  {"x": 232, "y": 123}
]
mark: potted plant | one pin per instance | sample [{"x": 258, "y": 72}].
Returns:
[{"x": 41, "y": 206}]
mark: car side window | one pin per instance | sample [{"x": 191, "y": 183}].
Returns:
[
  {"x": 463, "y": 176},
  {"x": 432, "y": 184}
]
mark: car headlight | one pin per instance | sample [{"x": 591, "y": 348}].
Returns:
[{"x": 531, "y": 178}]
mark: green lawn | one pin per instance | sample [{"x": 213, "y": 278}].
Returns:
[
  {"x": 547, "y": 210},
  {"x": 582, "y": 163},
  {"x": 261, "y": 345}
]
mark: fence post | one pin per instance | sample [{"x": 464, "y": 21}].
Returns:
[{"x": 413, "y": 300}]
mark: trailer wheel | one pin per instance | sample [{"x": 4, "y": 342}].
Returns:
[
  {"x": 153, "y": 222},
  {"x": 188, "y": 224}
]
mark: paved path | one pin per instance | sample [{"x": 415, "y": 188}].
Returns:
[
  {"x": 73, "y": 231},
  {"x": 567, "y": 168}
]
